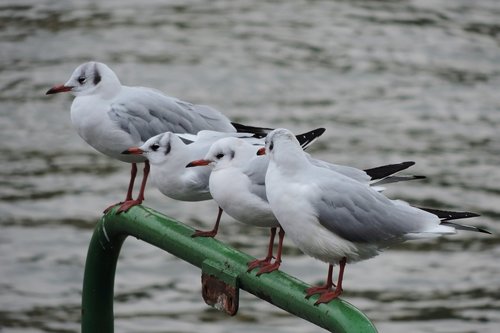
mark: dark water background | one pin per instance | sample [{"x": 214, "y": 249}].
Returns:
[{"x": 390, "y": 80}]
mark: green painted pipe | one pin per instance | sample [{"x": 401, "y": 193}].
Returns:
[{"x": 172, "y": 236}]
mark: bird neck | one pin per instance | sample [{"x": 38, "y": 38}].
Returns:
[
  {"x": 290, "y": 157},
  {"x": 112, "y": 87}
]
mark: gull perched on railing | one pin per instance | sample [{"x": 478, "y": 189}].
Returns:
[
  {"x": 336, "y": 219},
  {"x": 112, "y": 117}
]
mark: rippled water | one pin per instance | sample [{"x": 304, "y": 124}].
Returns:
[{"x": 390, "y": 80}]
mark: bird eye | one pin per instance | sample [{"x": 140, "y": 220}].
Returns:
[
  {"x": 155, "y": 146},
  {"x": 219, "y": 156},
  {"x": 82, "y": 79},
  {"x": 271, "y": 146}
]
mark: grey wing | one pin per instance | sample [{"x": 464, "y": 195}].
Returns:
[
  {"x": 187, "y": 138},
  {"x": 359, "y": 214},
  {"x": 356, "y": 174},
  {"x": 202, "y": 141},
  {"x": 143, "y": 113},
  {"x": 256, "y": 170},
  {"x": 212, "y": 136},
  {"x": 204, "y": 136},
  {"x": 206, "y": 117}
]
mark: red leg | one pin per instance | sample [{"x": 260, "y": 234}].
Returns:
[
  {"x": 209, "y": 233},
  {"x": 145, "y": 175},
  {"x": 133, "y": 173},
  {"x": 274, "y": 266},
  {"x": 331, "y": 295},
  {"x": 140, "y": 198},
  {"x": 324, "y": 288},
  {"x": 259, "y": 262}
]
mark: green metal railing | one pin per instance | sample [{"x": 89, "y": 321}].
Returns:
[{"x": 224, "y": 271}]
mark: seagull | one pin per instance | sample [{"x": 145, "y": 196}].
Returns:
[
  {"x": 237, "y": 184},
  {"x": 168, "y": 153},
  {"x": 336, "y": 219},
  {"x": 112, "y": 117}
]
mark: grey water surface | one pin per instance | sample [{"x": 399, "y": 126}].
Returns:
[{"x": 390, "y": 80}]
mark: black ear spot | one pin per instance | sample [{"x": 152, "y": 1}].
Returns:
[
  {"x": 97, "y": 75},
  {"x": 271, "y": 146},
  {"x": 169, "y": 147}
]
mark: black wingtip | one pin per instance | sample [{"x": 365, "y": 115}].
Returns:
[
  {"x": 306, "y": 139},
  {"x": 315, "y": 133},
  {"x": 484, "y": 231},
  {"x": 259, "y": 132},
  {"x": 387, "y": 170},
  {"x": 466, "y": 227},
  {"x": 447, "y": 215},
  {"x": 320, "y": 130}
]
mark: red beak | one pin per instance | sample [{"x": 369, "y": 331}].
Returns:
[
  {"x": 261, "y": 151},
  {"x": 198, "y": 163},
  {"x": 58, "y": 89},
  {"x": 133, "y": 151}
]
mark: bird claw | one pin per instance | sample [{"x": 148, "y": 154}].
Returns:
[
  {"x": 258, "y": 263},
  {"x": 318, "y": 290},
  {"x": 201, "y": 233},
  {"x": 268, "y": 268},
  {"x": 328, "y": 296},
  {"x": 127, "y": 205},
  {"x": 111, "y": 207}
]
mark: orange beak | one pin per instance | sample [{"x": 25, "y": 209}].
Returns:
[
  {"x": 261, "y": 151},
  {"x": 133, "y": 151},
  {"x": 198, "y": 163},
  {"x": 58, "y": 89}
]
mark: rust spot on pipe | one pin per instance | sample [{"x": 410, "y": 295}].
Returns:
[{"x": 219, "y": 294}]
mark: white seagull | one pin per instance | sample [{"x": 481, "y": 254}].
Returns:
[
  {"x": 336, "y": 219},
  {"x": 111, "y": 117},
  {"x": 168, "y": 153},
  {"x": 237, "y": 184}
]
